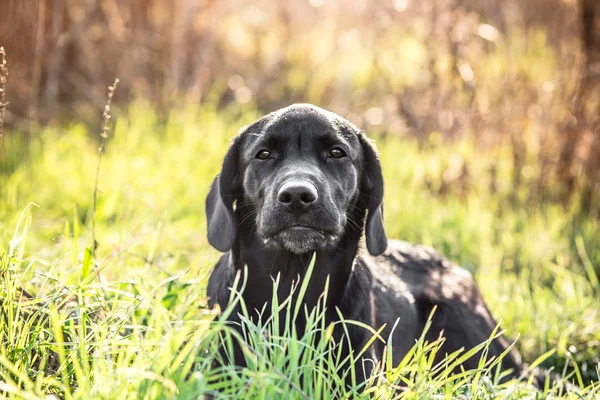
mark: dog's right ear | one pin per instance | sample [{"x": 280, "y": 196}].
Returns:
[
  {"x": 372, "y": 191},
  {"x": 220, "y": 218}
]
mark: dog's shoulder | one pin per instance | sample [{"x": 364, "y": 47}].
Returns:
[
  {"x": 416, "y": 258},
  {"x": 408, "y": 255},
  {"x": 415, "y": 269}
]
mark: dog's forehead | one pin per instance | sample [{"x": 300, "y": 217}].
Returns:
[{"x": 306, "y": 120}]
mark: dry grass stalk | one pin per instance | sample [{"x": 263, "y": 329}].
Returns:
[
  {"x": 106, "y": 116},
  {"x": 3, "y": 81}
]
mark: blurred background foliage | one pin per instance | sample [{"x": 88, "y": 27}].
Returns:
[
  {"x": 519, "y": 72},
  {"x": 486, "y": 112}
]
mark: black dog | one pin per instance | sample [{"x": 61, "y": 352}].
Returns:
[{"x": 303, "y": 181}]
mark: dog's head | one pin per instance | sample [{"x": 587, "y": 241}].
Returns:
[{"x": 300, "y": 173}]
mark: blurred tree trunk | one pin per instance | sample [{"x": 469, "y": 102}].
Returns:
[
  {"x": 590, "y": 18},
  {"x": 56, "y": 57},
  {"x": 584, "y": 119},
  {"x": 18, "y": 24}
]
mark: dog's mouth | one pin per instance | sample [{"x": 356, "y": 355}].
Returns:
[{"x": 300, "y": 239}]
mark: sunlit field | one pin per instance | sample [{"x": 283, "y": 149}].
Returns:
[
  {"x": 487, "y": 122},
  {"x": 135, "y": 323}
]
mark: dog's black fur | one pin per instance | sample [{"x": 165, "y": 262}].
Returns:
[{"x": 303, "y": 181}]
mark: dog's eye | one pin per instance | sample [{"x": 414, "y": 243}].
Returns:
[
  {"x": 263, "y": 155},
  {"x": 337, "y": 153}
]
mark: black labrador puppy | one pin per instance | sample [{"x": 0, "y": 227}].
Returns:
[{"x": 303, "y": 181}]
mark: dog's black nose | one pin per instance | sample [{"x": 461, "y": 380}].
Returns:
[{"x": 297, "y": 195}]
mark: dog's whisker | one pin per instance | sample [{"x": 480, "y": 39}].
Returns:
[{"x": 247, "y": 216}]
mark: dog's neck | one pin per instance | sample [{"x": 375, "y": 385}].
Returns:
[{"x": 264, "y": 264}]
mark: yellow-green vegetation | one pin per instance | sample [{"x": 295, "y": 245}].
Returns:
[{"x": 134, "y": 323}]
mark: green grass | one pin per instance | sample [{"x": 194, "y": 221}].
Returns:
[{"x": 135, "y": 323}]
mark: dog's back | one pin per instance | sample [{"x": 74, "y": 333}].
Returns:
[{"x": 409, "y": 281}]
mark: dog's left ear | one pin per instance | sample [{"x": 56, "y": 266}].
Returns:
[
  {"x": 220, "y": 218},
  {"x": 371, "y": 188}
]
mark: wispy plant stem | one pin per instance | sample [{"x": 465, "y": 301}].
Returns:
[
  {"x": 3, "y": 81},
  {"x": 106, "y": 116}
]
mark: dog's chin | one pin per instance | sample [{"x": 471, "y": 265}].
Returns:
[{"x": 300, "y": 240}]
